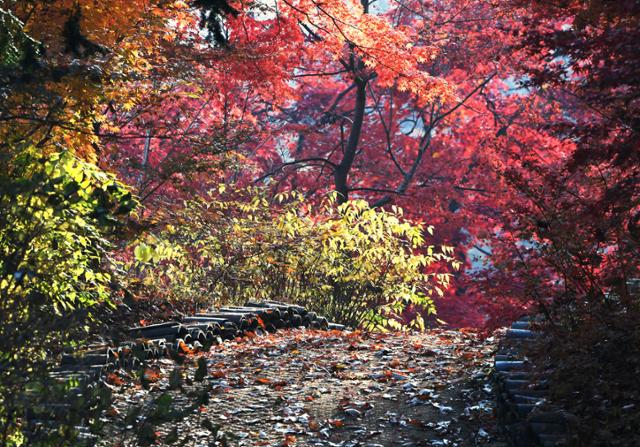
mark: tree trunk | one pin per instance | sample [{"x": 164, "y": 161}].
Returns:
[{"x": 341, "y": 173}]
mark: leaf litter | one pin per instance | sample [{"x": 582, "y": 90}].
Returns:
[{"x": 313, "y": 388}]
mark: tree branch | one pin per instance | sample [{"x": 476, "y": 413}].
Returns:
[{"x": 295, "y": 162}]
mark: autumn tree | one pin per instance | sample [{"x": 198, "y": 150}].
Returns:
[
  {"x": 430, "y": 151},
  {"x": 58, "y": 209},
  {"x": 585, "y": 53},
  {"x": 573, "y": 195}
]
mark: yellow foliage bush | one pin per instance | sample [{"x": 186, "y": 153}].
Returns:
[{"x": 357, "y": 265}]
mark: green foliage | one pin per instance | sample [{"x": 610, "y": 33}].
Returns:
[
  {"x": 55, "y": 212},
  {"x": 16, "y": 47},
  {"x": 358, "y": 265}
]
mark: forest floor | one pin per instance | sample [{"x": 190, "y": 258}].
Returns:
[{"x": 313, "y": 388}]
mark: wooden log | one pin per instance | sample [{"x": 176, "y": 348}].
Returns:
[
  {"x": 198, "y": 335},
  {"x": 300, "y": 310},
  {"x": 224, "y": 323},
  {"x": 168, "y": 330},
  {"x": 88, "y": 359},
  {"x": 266, "y": 313},
  {"x": 285, "y": 309},
  {"x": 244, "y": 321}
]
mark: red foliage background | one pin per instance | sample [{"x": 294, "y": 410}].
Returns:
[{"x": 510, "y": 127}]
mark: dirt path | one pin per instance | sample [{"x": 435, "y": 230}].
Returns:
[{"x": 315, "y": 388}]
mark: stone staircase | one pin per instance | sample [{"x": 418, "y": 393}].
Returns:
[{"x": 528, "y": 420}]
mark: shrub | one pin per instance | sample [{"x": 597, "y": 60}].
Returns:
[
  {"x": 54, "y": 212},
  {"x": 356, "y": 264}
]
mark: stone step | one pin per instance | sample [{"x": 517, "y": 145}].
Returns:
[
  {"x": 515, "y": 375},
  {"x": 548, "y": 428},
  {"x": 507, "y": 357},
  {"x": 514, "y": 384},
  {"x": 509, "y": 350},
  {"x": 549, "y": 415},
  {"x": 521, "y": 334},
  {"x": 524, "y": 409},
  {"x": 527, "y": 392},
  {"x": 551, "y": 440},
  {"x": 521, "y": 325},
  {"x": 509, "y": 365},
  {"x": 522, "y": 399}
]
